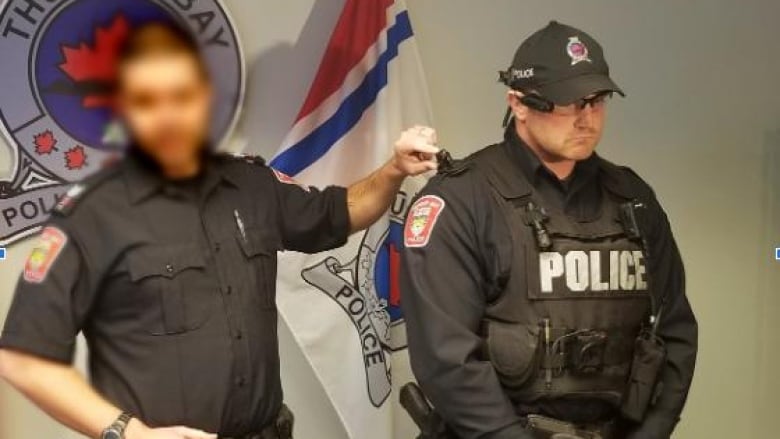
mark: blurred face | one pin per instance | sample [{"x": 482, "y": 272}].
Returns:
[
  {"x": 165, "y": 101},
  {"x": 567, "y": 133}
]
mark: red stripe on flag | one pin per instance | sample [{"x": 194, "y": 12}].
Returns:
[
  {"x": 359, "y": 26},
  {"x": 395, "y": 276}
]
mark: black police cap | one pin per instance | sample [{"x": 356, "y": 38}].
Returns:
[{"x": 560, "y": 63}]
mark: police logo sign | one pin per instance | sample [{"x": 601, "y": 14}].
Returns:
[
  {"x": 367, "y": 289},
  {"x": 58, "y": 60}
]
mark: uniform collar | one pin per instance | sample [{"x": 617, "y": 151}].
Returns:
[
  {"x": 143, "y": 177},
  {"x": 534, "y": 170}
]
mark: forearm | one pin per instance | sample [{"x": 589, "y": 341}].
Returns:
[
  {"x": 663, "y": 416},
  {"x": 464, "y": 391},
  {"x": 679, "y": 331},
  {"x": 60, "y": 391},
  {"x": 369, "y": 198}
]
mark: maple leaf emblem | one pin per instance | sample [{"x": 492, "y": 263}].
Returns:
[
  {"x": 75, "y": 158},
  {"x": 45, "y": 143},
  {"x": 94, "y": 69}
]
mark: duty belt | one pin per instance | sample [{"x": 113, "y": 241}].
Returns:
[{"x": 548, "y": 428}]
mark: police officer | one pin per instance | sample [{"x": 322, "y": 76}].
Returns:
[
  {"x": 542, "y": 288},
  {"x": 166, "y": 261}
]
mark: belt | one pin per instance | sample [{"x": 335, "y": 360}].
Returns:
[{"x": 549, "y": 428}]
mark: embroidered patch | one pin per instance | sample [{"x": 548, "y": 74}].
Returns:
[
  {"x": 577, "y": 51},
  {"x": 50, "y": 245},
  {"x": 286, "y": 179},
  {"x": 422, "y": 218}
]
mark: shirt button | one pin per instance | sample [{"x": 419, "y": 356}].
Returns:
[
  {"x": 169, "y": 268},
  {"x": 240, "y": 381},
  {"x": 228, "y": 290},
  {"x": 217, "y": 247},
  {"x": 239, "y": 335}
]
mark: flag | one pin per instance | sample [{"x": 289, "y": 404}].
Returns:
[{"x": 343, "y": 306}]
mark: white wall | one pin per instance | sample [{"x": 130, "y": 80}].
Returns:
[{"x": 701, "y": 123}]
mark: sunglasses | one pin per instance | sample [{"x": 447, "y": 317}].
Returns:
[{"x": 539, "y": 103}]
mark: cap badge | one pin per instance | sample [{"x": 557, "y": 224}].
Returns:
[{"x": 577, "y": 51}]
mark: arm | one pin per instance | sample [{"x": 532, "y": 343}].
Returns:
[
  {"x": 49, "y": 308},
  {"x": 444, "y": 287},
  {"x": 53, "y": 387},
  {"x": 677, "y": 328},
  {"x": 313, "y": 220},
  {"x": 368, "y": 199}
]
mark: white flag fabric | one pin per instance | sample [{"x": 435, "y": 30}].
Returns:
[{"x": 343, "y": 306}]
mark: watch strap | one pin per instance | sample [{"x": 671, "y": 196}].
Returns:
[
  {"x": 119, "y": 425},
  {"x": 122, "y": 421}
]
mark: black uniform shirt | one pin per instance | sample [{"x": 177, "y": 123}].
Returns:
[
  {"x": 173, "y": 285},
  {"x": 575, "y": 195},
  {"x": 448, "y": 282}
]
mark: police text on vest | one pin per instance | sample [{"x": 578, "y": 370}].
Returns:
[{"x": 585, "y": 271}]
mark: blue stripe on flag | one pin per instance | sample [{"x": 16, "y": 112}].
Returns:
[{"x": 312, "y": 147}]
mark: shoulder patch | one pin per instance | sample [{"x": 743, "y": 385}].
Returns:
[
  {"x": 286, "y": 179},
  {"x": 422, "y": 219},
  {"x": 51, "y": 242}
]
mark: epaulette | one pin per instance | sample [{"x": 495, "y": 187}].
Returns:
[
  {"x": 449, "y": 166},
  {"x": 248, "y": 158},
  {"x": 78, "y": 191},
  {"x": 458, "y": 167}
]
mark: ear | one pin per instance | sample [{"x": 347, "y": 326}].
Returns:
[{"x": 519, "y": 111}]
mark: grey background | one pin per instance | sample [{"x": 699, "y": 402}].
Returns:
[{"x": 701, "y": 123}]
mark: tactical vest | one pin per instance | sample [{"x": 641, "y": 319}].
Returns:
[{"x": 577, "y": 293}]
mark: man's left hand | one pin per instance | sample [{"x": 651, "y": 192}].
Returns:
[{"x": 415, "y": 151}]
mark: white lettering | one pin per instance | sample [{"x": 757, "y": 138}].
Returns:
[
  {"x": 525, "y": 74},
  {"x": 577, "y": 270},
  {"x": 614, "y": 270},
  {"x": 626, "y": 278},
  {"x": 640, "y": 269},
  {"x": 550, "y": 266},
  {"x": 595, "y": 273},
  {"x": 585, "y": 270}
]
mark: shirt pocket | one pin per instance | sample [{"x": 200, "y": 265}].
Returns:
[
  {"x": 175, "y": 286},
  {"x": 259, "y": 247}
]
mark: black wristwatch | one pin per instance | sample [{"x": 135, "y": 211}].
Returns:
[{"x": 117, "y": 429}]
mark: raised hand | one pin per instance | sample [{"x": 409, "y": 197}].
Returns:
[{"x": 415, "y": 151}]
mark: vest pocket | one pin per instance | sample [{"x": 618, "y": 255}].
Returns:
[
  {"x": 172, "y": 282},
  {"x": 513, "y": 350},
  {"x": 259, "y": 248}
]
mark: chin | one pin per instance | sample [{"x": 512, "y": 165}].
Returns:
[
  {"x": 580, "y": 151},
  {"x": 578, "y": 154},
  {"x": 168, "y": 158},
  {"x": 584, "y": 155}
]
